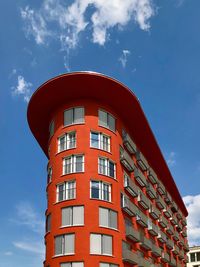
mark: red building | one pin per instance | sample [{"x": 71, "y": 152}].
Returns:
[{"x": 111, "y": 199}]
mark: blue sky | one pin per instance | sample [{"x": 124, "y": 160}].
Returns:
[{"x": 151, "y": 46}]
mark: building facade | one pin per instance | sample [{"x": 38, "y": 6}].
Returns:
[
  {"x": 111, "y": 200},
  {"x": 194, "y": 257}
]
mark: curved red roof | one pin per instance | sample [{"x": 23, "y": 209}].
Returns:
[{"x": 61, "y": 89}]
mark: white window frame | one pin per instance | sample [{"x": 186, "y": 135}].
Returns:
[
  {"x": 100, "y": 188},
  {"x": 100, "y": 140},
  {"x": 108, "y": 264},
  {"x": 101, "y": 236},
  {"x": 72, "y": 159},
  {"x": 108, "y": 115},
  {"x": 66, "y": 141},
  {"x": 109, "y": 218},
  {"x": 72, "y": 208},
  {"x": 65, "y": 190},
  {"x": 72, "y": 263},
  {"x": 106, "y": 166},
  {"x": 63, "y": 244},
  {"x": 73, "y": 116}
]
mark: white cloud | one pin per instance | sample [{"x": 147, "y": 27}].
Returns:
[
  {"x": 171, "y": 161},
  {"x": 36, "y": 247},
  {"x": 124, "y": 57},
  {"x": 23, "y": 88},
  {"x": 27, "y": 216},
  {"x": 67, "y": 21},
  {"x": 193, "y": 206},
  {"x": 8, "y": 253}
]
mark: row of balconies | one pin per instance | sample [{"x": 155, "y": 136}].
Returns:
[{"x": 127, "y": 161}]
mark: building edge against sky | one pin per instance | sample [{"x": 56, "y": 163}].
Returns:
[{"x": 104, "y": 158}]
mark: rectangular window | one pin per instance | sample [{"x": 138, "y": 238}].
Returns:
[
  {"x": 74, "y": 116},
  {"x": 100, "y": 141},
  {"x": 100, "y": 244},
  {"x": 51, "y": 129},
  {"x": 107, "y": 218},
  {"x": 107, "y": 167},
  {"x": 66, "y": 190},
  {"x": 192, "y": 257},
  {"x": 106, "y": 120},
  {"x": 48, "y": 223},
  {"x": 72, "y": 264},
  {"x": 104, "y": 264},
  {"x": 67, "y": 141},
  {"x": 73, "y": 216},
  {"x": 49, "y": 175},
  {"x": 100, "y": 190},
  {"x": 64, "y": 244},
  {"x": 73, "y": 163}
]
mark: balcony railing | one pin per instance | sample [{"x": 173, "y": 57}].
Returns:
[
  {"x": 145, "y": 243},
  {"x": 128, "y": 255},
  {"x": 179, "y": 227},
  {"x": 128, "y": 142},
  {"x": 162, "y": 237},
  {"x": 132, "y": 233},
  {"x": 181, "y": 254},
  {"x": 151, "y": 191},
  {"x": 165, "y": 257},
  {"x": 128, "y": 206},
  {"x": 170, "y": 229},
  {"x": 152, "y": 176},
  {"x": 152, "y": 228},
  {"x": 176, "y": 250},
  {"x": 160, "y": 202},
  {"x": 141, "y": 161},
  {"x": 184, "y": 222},
  {"x": 130, "y": 186},
  {"x": 140, "y": 178},
  {"x": 186, "y": 247},
  {"x": 176, "y": 236},
  {"x": 154, "y": 212},
  {"x": 179, "y": 215},
  {"x": 181, "y": 241},
  {"x": 126, "y": 160},
  {"x": 144, "y": 263},
  {"x": 143, "y": 200},
  {"x": 161, "y": 188},
  {"x": 174, "y": 220},
  {"x": 142, "y": 219},
  {"x": 169, "y": 244},
  {"x": 163, "y": 221},
  {"x": 172, "y": 262},
  {"x": 167, "y": 197},
  {"x": 184, "y": 233},
  {"x": 174, "y": 207},
  {"x": 156, "y": 251},
  {"x": 167, "y": 213}
]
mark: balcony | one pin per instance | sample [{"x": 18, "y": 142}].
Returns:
[
  {"x": 179, "y": 215},
  {"x": 174, "y": 220},
  {"x": 154, "y": 212},
  {"x": 126, "y": 160},
  {"x": 132, "y": 233},
  {"x": 143, "y": 200},
  {"x": 161, "y": 188},
  {"x": 141, "y": 161},
  {"x": 181, "y": 255},
  {"x": 128, "y": 142},
  {"x": 186, "y": 247},
  {"x": 156, "y": 251},
  {"x": 140, "y": 178},
  {"x": 184, "y": 233},
  {"x": 172, "y": 262},
  {"x": 184, "y": 222},
  {"x": 128, "y": 255},
  {"x": 169, "y": 244},
  {"x": 130, "y": 186},
  {"x": 176, "y": 250},
  {"x": 176, "y": 236},
  {"x": 179, "y": 227},
  {"x": 128, "y": 206},
  {"x": 170, "y": 229},
  {"x": 165, "y": 257},
  {"x": 167, "y": 213},
  {"x": 145, "y": 243},
  {"x": 162, "y": 221},
  {"x": 152, "y": 176},
  {"x": 143, "y": 263},
  {"x": 168, "y": 198},
  {"x": 181, "y": 241},
  {"x": 151, "y": 191},
  {"x": 186, "y": 259},
  {"x": 142, "y": 219},
  {"x": 174, "y": 207},
  {"x": 160, "y": 202},
  {"x": 152, "y": 228},
  {"x": 162, "y": 237}
]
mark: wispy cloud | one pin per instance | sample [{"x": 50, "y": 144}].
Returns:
[
  {"x": 8, "y": 253},
  {"x": 124, "y": 57},
  {"x": 171, "y": 160},
  {"x": 193, "y": 206},
  {"x": 23, "y": 88},
  {"x": 27, "y": 216},
  {"x": 58, "y": 20},
  {"x": 33, "y": 247}
]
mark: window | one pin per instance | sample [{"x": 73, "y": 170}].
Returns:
[
  {"x": 72, "y": 216},
  {"x": 66, "y": 190},
  {"x": 48, "y": 223},
  {"x": 198, "y": 256},
  {"x": 100, "y": 141},
  {"x": 192, "y": 257},
  {"x": 72, "y": 264},
  {"x": 107, "y": 167},
  {"x": 100, "y": 244},
  {"x": 51, "y": 129},
  {"x": 67, "y": 141},
  {"x": 100, "y": 190},
  {"x": 107, "y": 218},
  {"x": 103, "y": 264},
  {"x": 73, "y": 163},
  {"x": 49, "y": 175},
  {"x": 64, "y": 244},
  {"x": 74, "y": 116},
  {"x": 106, "y": 120}
]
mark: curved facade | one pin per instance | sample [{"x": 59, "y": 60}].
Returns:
[{"x": 110, "y": 202}]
